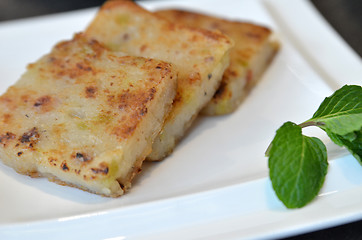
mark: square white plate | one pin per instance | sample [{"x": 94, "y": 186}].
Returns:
[{"x": 215, "y": 185}]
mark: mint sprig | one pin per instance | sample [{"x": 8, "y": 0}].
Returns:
[{"x": 297, "y": 163}]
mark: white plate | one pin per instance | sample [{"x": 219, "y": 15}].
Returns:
[{"x": 215, "y": 185}]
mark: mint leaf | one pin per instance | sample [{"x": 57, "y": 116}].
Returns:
[
  {"x": 341, "y": 113},
  {"x": 298, "y": 165},
  {"x": 352, "y": 141}
]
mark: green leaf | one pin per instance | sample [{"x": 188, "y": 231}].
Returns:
[
  {"x": 297, "y": 165},
  {"x": 353, "y": 142},
  {"x": 341, "y": 113}
]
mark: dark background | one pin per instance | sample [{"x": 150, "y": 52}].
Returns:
[{"x": 344, "y": 15}]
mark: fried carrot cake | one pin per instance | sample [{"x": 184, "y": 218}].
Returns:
[
  {"x": 84, "y": 116},
  {"x": 254, "y": 49},
  {"x": 199, "y": 56}
]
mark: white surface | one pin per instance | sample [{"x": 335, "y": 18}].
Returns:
[{"x": 215, "y": 185}]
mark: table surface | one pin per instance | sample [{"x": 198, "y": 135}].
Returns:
[{"x": 344, "y": 15}]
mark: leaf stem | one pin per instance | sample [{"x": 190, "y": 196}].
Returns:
[{"x": 311, "y": 123}]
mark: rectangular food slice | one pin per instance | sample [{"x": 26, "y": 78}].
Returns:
[
  {"x": 85, "y": 116},
  {"x": 199, "y": 56},
  {"x": 254, "y": 49}
]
